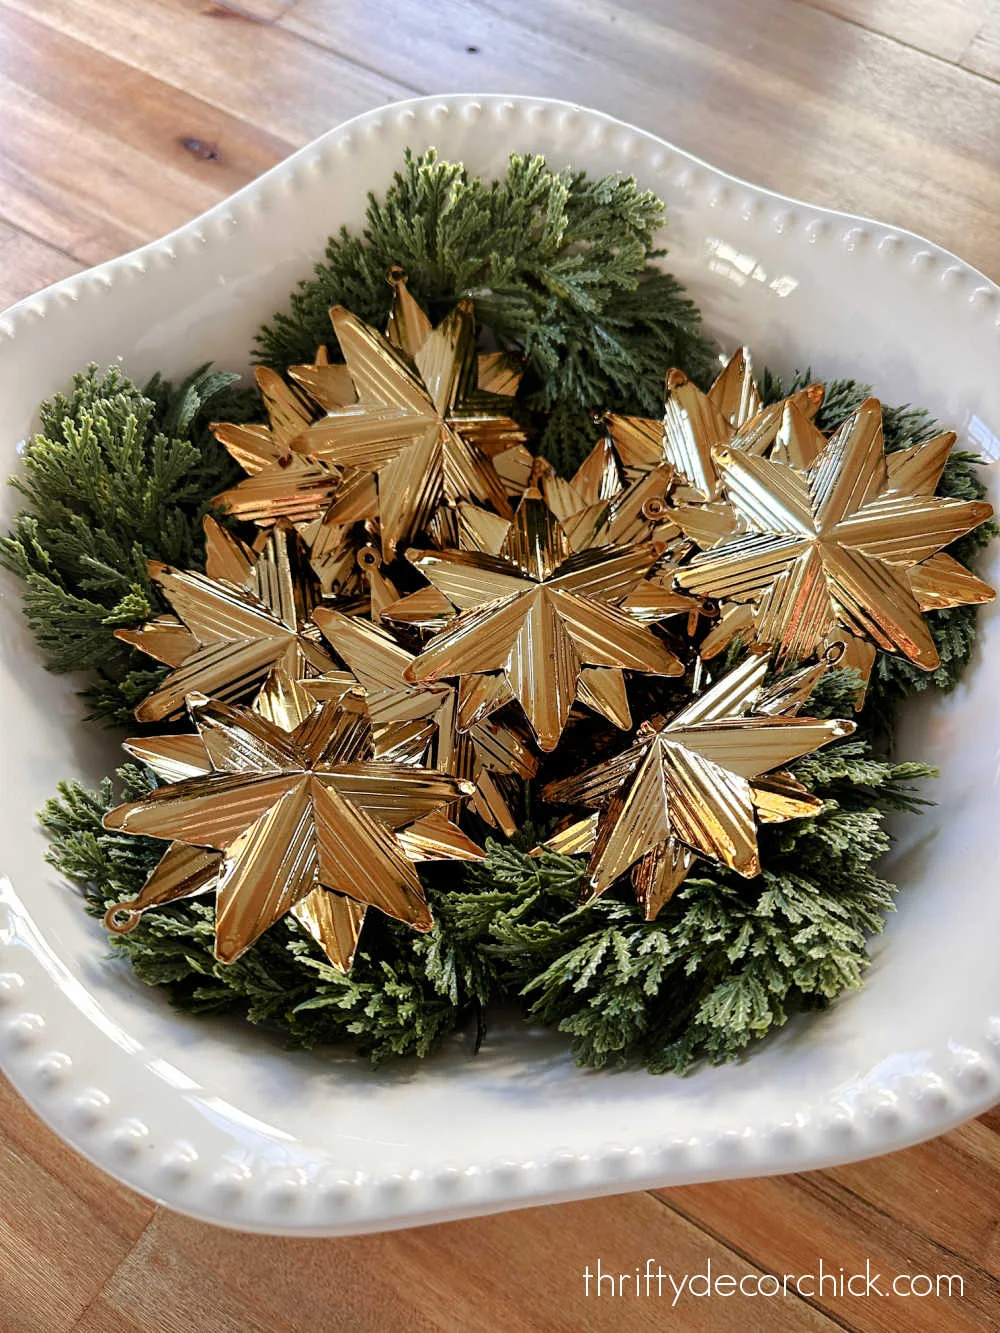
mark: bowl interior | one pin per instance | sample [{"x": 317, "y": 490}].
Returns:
[{"x": 903, "y": 1058}]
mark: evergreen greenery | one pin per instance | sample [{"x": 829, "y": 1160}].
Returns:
[
  {"x": 560, "y": 267},
  {"x": 115, "y": 477},
  {"x": 726, "y": 961}
]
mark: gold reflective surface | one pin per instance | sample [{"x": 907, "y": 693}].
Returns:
[
  {"x": 238, "y": 631},
  {"x": 378, "y": 712},
  {"x": 292, "y": 812},
  {"x": 832, "y": 549},
  {"x": 420, "y": 423},
  {"x": 539, "y": 614},
  {"x": 697, "y": 785}
]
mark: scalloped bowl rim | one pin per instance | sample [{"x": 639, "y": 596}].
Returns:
[{"x": 76, "y": 1065}]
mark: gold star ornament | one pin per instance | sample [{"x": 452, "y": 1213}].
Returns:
[
  {"x": 848, "y": 547},
  {"x": 697, "y": 785},
  {"x": 420, "y": 425},
  {"x": 305, "y": 820},
  {"x": 464, "y": 738},
  {"x": 247, "y": 614},
  {"x": 695, "y": 423},
  {"x": 541, "y": 621},
  {"x": 279, "y": 483}
]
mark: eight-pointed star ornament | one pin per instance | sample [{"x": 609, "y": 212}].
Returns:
[
  {"x": 694, "y": 423},
  {"x": 697, "y": 785},
  {"x": 333, "y": 508},
  {"x": 420, "y": 424},
  {"x": 463, "y": 736},
  {"x": 847, "y": 547},
  {"x": 279, "y": 483},
  {"x": 248, "y": 613},
  {"x": 275, "y": 819},
  {"x": 543, "y": 618}
]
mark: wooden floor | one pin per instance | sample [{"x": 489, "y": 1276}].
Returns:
[{"x": 121, "y": 119}]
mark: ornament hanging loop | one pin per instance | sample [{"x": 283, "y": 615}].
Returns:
[
  {"x": 835, "y": 652},
  {"x": 122, "y": 917}
]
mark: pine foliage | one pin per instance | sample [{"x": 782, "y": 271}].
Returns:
[
  {"x": 115, "y": 477},
  {"x": 560, "y": 267},
  {"x": 726, "y": 961}
]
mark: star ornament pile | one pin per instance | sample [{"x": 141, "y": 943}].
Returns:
[{"x": 405, "y": 618}]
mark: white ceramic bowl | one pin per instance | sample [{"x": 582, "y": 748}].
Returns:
[{"x": 213, "y": 1117}]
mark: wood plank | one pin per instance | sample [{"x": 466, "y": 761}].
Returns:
[
  {"x": 990, "y": 1120},
  {"x": 765, "y": 101},
  {"x": 944, "y": 28},
  {"x": 260, "y": 73},
  {"x": 98, "y": 157},
  {"x": 941, "y": 1190},
  {"x": 264, "y": 11},
  {"x": 100, "y": 1317},
  {"x": 28, "y": 264},
  {"x": 979, "y": 1140},
  {"x": 983, "y": 55},
  {"x": 521, "y": 1272},
  {"x": 113, "y": 1208},
  {"x": 64, "y": 1225},
  {"x": 925, "y": 1210},
  {"x": 159, "y": 1289}
]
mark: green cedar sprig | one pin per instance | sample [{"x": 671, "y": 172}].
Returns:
[
  {"x": 115, "y": 477},
  {"x": 725, "y": 962},
  {"x": 560, "y": 266}
]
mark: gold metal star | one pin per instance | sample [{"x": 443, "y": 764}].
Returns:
[
  {"x": 247, "y": 614},
  {"x": 594, "y": 511},
  {"x": 419, "y": 425},
  {"x": 333, "y": 508},
  {"x": 831, "y": 550},
  {"x": 598, "y": 507},
  {"x": 466, "y": 740},
  {"x": 291, "y": 813},
  {"x": 541, "y": 615},
  {"x": 279, "y": 484},
  {"x": 697, "y": 785},
  {"x": 694, "y": 423},
  {"x": 333, "y": 920},
  {"x": 190, "y": 872}
]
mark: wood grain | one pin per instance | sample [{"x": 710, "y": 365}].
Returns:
[
  {"x": 261, "y": 73},
  {"x": 123, "y": 119},
  {"x": 127, "y": 156},
  {"x": 27, "y": 264},
  {"x": 64, "y": 1226},
  {"x": 945, "y": 28},
  {"x": 906, "y": 1213},
  {"x": 866, "y": 124},
  {"x": 983, "y": 53}
]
